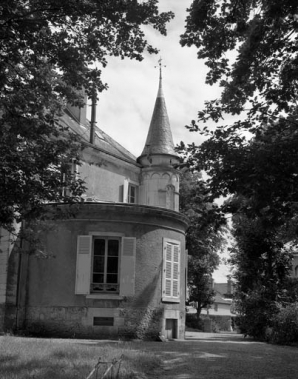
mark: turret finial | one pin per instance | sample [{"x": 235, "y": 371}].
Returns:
[
  {"x": 159, "y": 139},
  {"x": 160, "y": 67}
]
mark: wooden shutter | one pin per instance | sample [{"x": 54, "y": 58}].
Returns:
[
  {"x": 83, "y": 272},
  {"x": 171, "y": 271},
  {"x": 125, "y": 191},
  {"x": 127, "y": 270}
]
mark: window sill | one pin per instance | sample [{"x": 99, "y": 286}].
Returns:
[
  {"x": 170, "y": 300},
  {"x": 104, "y": 296}
]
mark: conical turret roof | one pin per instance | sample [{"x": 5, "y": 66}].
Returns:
[{"x": 159, "y": 138}]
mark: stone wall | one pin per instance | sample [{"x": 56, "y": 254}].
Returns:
[{"x": 142, "y": 323}]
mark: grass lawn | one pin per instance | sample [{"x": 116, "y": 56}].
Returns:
[{"x": 22, "y": 358}]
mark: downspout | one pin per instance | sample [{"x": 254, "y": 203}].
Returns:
[
  {"x": 21, "y": 293},
  {"x": 93, "y": 116}
]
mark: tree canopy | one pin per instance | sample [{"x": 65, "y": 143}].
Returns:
[
  {"x": 250, "y": 48},
  {"x": 254, "y": 154},
  {"x": 263, "y": 36},
  {"x": 51, "y": 52},
  {"x": 204, "y": 238}
]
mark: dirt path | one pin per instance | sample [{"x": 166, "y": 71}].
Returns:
[{"x": 223, "y": 356}]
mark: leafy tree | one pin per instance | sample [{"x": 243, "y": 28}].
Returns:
[
  {"x": 204, "y": 238},
  {"x": 262, "y": 266},
  {"x": 51, "y": 52},
  {"x": 263, "y": 36},
  {"x": 250, "y": 48},
  {"x": 259, "y": 85}
]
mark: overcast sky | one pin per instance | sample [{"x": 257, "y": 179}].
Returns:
[{"x": 124, "y": 111}]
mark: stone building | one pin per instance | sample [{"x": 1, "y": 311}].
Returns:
[{"x": 118, "y": 267}]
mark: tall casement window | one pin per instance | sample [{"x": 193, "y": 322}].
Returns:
[
  {"x": 105, "y": 265},
  {"x": 171, "y": 271},
  {"x": 69, "y": 172},
  {"x": 132, "y": 194},
  {"x": 129, "y": 192}
]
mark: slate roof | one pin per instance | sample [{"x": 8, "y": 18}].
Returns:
[
  {"x": 102, "y": 141},
  {"x": 221, "y": 289},
  {"x": 159, "y": 139}
]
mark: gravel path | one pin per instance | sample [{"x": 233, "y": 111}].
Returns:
[{"x": 223, "y": 356}]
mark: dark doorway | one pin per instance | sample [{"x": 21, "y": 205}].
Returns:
[{"x": 171, "y": 328}]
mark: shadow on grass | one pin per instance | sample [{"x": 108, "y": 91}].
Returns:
[
  {"x": 218, "y": 337},
  {"x": 24, "y": 358}
]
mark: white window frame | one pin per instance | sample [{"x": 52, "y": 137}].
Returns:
[
  {"x": 126, "y": 191},
  {"x": 105, "y": 285},
  {"x": 126, "y": 266},
  {"x": 130, "y": 186},
  {"x": 171, "y": 271}
]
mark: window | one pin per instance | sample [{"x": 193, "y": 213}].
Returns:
[
  {"x": 128, "y": 192},
  {"x": 296, "y": 271},
  {"x": 69, "y": 172},
  {"x": 171, "y": 271},
  {"x": 103, "y": 321},
  {"x": 105, "y": 276},
  {"x": 170, "y": 197},
  {"x": 105, "y": 265},
  {"x": 132, "y": 194}
]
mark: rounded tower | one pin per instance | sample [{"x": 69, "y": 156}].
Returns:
[{"x": 159, "y": 184}]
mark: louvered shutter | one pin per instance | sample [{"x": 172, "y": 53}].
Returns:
[
  {"x": 171, "y": 271},
  {"x": 175, "y": 278},
  {"x": 127, "y": 270},
  {"x": 83, "y": 271}
]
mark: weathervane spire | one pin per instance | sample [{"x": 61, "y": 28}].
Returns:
[
  {"x": 160, "y": 67},
  {"x": 159, "y": 139},
  {"x": 160, "y": 94}
]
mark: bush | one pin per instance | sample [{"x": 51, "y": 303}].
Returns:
[
  {"x": 285, "y": 325},
  {"x": 193, "y": 322},
  {"x": 256, "y": 313}
]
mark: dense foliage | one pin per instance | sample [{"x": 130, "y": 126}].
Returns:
[
  {"x": 51, "y": 52},
  {"x": 261, "y": 271},
  {"x": 250, "y": 47},
  {"x": 204, "y": 238},
  {"x": 285, "y": 325}
]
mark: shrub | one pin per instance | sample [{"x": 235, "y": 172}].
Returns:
[
  {"x": 285, "y": 325},
  {"x": 193, "y": 322},
  {"x": 255, "y": 314}
]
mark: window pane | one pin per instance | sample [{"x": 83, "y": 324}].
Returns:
[
  {"x": 112, "y": 265},
  {"x": 103, "y": 321},
  {"x": 98, "y": 278},
  {"x": 132, "y": 194},
  {"x": 98, "y": 264},
  {"x": 106, "y": 252},
  {"x": 112, "y": 278},
  {"x": 99, "y": 246},
  {"x": 113, "y": 248}
]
